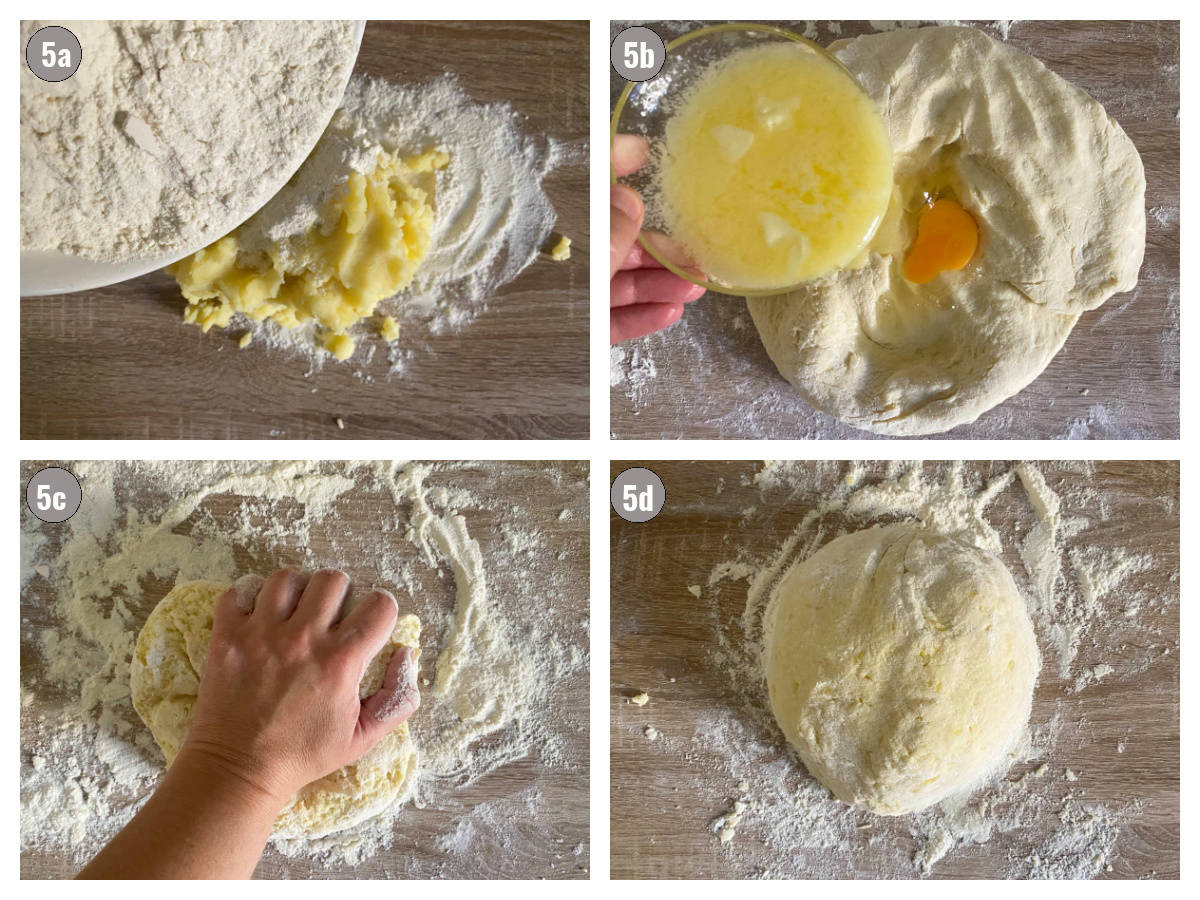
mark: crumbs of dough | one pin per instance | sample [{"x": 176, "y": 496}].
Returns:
[
  {"x": 725, "y": 825},
  {"x": 561, "y": 251},
  {"x": 342, "y": 346},
  {"x": 389, "y": 328}
]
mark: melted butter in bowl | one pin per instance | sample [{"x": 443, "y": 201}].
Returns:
[{"x": 774, "y": 168}]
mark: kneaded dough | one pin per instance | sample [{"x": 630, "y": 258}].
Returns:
[
  {"x": 1058, "y": 191},
  {"x": 168, "y": 662},
  {"x": 900, "y": 664}
]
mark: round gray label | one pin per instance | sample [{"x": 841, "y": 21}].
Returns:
[
  {"x": 53, "y": 494},
  {"x": 638, "y": 53},
  {"x": 637, "y": 495},
  {"x": 53, "y": 53}
]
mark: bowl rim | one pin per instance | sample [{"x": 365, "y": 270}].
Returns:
[{"x": 623, "y": 99}]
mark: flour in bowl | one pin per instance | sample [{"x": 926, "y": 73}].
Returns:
[{"x": 171, "y": 132}]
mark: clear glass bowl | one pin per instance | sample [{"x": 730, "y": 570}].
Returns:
[{"x": 643, "y": 110}]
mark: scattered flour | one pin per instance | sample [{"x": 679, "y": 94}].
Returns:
[{"x": 1164, "y": 215}]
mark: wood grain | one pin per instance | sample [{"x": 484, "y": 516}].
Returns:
[
  {"x": 665, "y": 793},
  {"x": 526, "y": 819},
  {"x": 1116, "y": 378},
  {"x": 118, "y": 362}
]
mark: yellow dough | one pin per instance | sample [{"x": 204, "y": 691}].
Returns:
[
  {"x": 365, "y": 247},
  {"x": 900, "y": 664},
  {"x": 777, "y": 168},
  {"x": 164, "y": 677}
]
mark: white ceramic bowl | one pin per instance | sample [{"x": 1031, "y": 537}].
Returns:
[{"x": 50, "y": 272}]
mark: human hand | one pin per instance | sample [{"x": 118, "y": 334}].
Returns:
[
  {"x": 643, "y": 296},
  {"x": 278, "y": 704}
]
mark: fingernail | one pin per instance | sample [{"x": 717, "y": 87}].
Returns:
[
  {"x": 389, "y": 595},
  {"x": 626, "y": 200}
]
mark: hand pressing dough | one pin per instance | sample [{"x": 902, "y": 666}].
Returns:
[
  {"x": 1057, "y": 190},
  {"x": 168, "y": 662},
  {"x": 900, "y": 665}
]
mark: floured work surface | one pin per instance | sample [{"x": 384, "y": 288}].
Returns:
[
  {"x": 503, "y": 787},
  {"x": 1094, "y": 794},
  {"x": 118, "y": 362},
  {"x": 1117, "y": 376}
]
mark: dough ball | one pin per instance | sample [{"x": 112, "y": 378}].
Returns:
[
  {"x": 168, "y": 662},
  {"x": 1058, "y": 192},
  {"x": 900, "y": 665}
]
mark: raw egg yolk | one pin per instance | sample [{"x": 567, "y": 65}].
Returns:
[{"x": 946, "y": 240}]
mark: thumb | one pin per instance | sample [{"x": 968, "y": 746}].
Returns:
[
  {"x": 396, "y": 699},
  {"x": 626, "y": 212}
]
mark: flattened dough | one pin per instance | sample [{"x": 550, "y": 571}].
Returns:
[
  {"x": 900, "y": 664},
  {"x": 1058, "y": 190},
  {"x": 165, "y": 676}
]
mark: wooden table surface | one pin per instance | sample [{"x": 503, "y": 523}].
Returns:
[
  {"x": 118, "y": 362},
  {"x": 665, "y": 793},
  {"x": 541, "y": 810},
  {"x": 1116, "y": 377}
]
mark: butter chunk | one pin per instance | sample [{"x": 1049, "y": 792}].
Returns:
[
  {"x": 797, "y": 256},
  {"x": 733, "y": 142},
  {"x": 773, "y": 113},
  {"x": 775, "y": 228}
]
